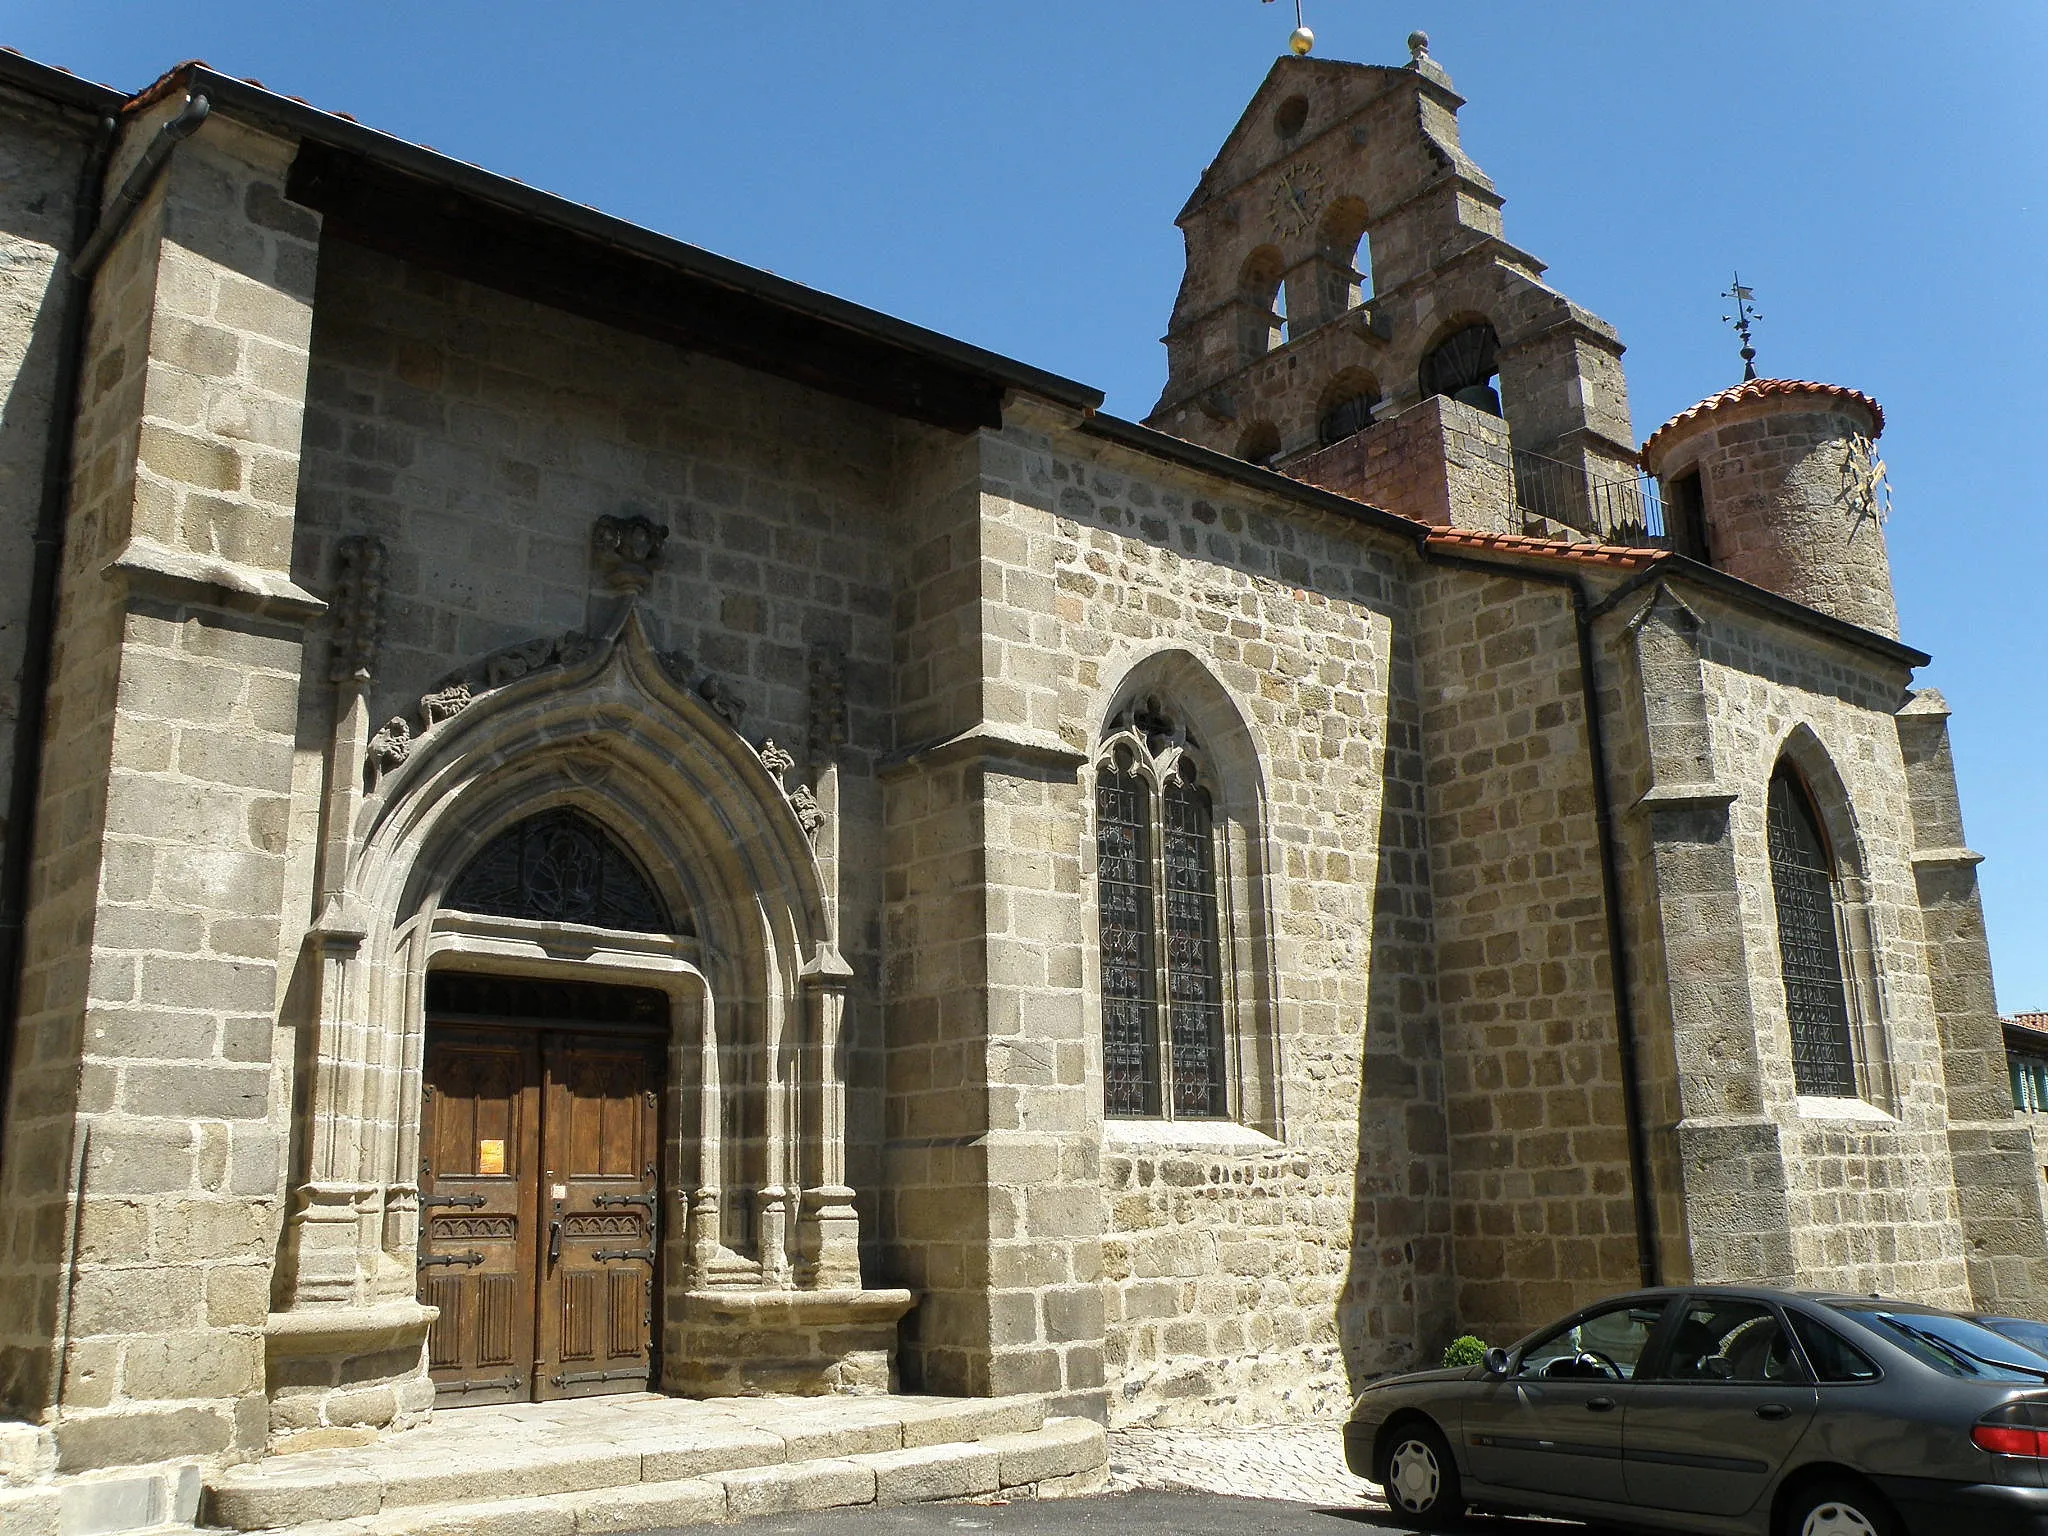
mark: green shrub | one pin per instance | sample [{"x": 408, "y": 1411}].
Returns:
[{"x": 1464, "y": 1350}]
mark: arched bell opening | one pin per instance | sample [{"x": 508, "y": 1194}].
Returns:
[
  {"x": 1465, "y": 366},
  {"x": 1346, "y": 406},
  {"x": 1262, "y": 299},
  {"x": 1259, "y": 443}
]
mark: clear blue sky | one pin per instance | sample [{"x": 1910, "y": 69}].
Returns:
[{"x": 1008, "y": 171}]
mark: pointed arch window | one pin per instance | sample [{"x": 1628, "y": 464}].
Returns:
[
  {"x": 560, "y": 867},
  {"x": 1803, "y": 884},
  {"x": 1164, "y": 1050}
]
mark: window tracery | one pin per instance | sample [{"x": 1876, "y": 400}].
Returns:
[
  {"x": 560, "y": 867},
  {"x": 1809, "y": 942},
  {"x": 1164, "y": 1044}
]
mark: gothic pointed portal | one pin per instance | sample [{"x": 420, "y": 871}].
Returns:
[{"x": 560, "y": 867}]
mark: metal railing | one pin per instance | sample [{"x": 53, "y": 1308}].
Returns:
[{"x": 1619, "y": 511}]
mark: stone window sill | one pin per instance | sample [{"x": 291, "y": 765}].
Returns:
[
  {"x": 1811, "y": 1108},
  {"x": 1186, "y": 1136}
]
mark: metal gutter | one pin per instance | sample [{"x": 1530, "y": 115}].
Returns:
[
  {"x": 58, "y": 85},
  {"x": 299, "y": 120}
]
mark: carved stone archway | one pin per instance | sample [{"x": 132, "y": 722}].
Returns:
[{"x": 762, "y": 1244}]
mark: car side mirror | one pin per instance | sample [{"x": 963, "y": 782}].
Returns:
[{"x": 1496, "y": 1361}]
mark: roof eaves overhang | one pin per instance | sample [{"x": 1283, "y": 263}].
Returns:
[
  {"x": 58, "y": 85},
  {"x": 373, "y": 188},
  {"x": 1748, "y": 594},
  {"x": 1178, "y": 451},
  {"x": 1657, "y": 564}
]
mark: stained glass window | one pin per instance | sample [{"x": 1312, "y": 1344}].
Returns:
[
  {"x": 1160, "y": 925},
  {"x": 1802, "y": 882},
  {"x": 1123, "y": 862},
  {"x": 560, "y": 867},
  {"x": 1194, "y": 972}
]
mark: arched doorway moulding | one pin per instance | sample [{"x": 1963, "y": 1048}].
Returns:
[{"x": 757, "y": 992}]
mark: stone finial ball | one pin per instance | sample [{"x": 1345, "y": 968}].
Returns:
[
  {"x": 1418, "y": 44},
  {"x": 1301, "y": 41}
]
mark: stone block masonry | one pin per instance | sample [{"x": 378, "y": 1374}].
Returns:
[
  {"x": 1539, "y": 1157},
  {"x": 42, "y": 152},
  {"x": 1250, "y": 1268},
  {"x": 148, "y": 1125}
]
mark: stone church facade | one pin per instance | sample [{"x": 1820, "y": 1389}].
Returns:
[{"x": 587, "y": 818}]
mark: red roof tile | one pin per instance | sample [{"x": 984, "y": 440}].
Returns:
[
  {"x": 1626, "y": 556},
  {"x": 1764, "y": 389},
  {"x": 2037, "y": 1023}
]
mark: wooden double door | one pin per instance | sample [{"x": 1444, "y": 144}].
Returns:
[{"x": 539, "y": 1219}]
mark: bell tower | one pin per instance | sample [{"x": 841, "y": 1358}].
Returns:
[{"x": 1353, "y": 313}]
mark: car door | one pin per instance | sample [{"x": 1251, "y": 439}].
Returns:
[
  {"x": 1717, "y": 1411},
  {"x": 1554, "y": 1424}
]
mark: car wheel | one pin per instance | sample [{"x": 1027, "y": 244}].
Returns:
[
  {"x": 1420, "y": 1479},
  {"x": 1839, "y": 1507}
]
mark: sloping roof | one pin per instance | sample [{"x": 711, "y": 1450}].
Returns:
[
  {"x": 54, "y": 84},
  {"x": 377, "y": 189},
  {"x": 1765, "y": 389},
  {"x": 1618, "y": 556},
  {"x": 2033, "y": 1023}
]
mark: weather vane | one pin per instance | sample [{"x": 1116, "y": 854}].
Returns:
[
  {"x": 1302, "y": 40},
  {"x": 1744, "y": 317}
]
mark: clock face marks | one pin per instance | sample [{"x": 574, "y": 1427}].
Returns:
[{"x": 1297, "y": 199}]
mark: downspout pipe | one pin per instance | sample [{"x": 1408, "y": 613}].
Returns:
[
  {"x": 1649, "y": 1262},
  {"x": 135, "y": 186},
  {"x": 93, "y": 235}
]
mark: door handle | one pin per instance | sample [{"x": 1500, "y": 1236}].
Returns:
[
  {"x": 1599, "y": 1404},
  {"x": 554, "y": 1240},
  {"x": 1773, "y": 1411}
]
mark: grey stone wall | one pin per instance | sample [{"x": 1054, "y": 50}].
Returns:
[
  {"x": 481, "y": 436},
  {"x": 1263, "y": 1269},
  {"x": 145, "y": 1139},
  {"x": 1539, "y": 1158},
  {"x": 1869, "y": 1187},
  {"x": 42, "y": 151}
]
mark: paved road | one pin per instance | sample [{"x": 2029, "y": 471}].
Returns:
[{"x": 1143, "y": 1513}]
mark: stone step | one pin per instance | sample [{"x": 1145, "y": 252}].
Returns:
[
  {"x": 1063, "y": 1458},
  {"x": 160, "y": 1500},
  {"x": 526, "y": 1452}
]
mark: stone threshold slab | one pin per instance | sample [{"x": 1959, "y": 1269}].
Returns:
[
  {"x": 1066, "y": 1458},
  {"x": 522, "y": 1451}
]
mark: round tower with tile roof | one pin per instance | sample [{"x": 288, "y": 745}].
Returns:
[{"x": 1778, "y": 482}]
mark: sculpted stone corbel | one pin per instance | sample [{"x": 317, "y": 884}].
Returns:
[
  {"x": 626, "y": 551},
  {"x": 808, "y": 812},
  {"x": 444, "y": 704},
  {"x": 726, "y": 704},
  {"x": 390, "y": 746}
]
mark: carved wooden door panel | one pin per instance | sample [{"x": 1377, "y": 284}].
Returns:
[
  {"x": 600, "y": 1146},
  {"x": 479, "y": 1192}
]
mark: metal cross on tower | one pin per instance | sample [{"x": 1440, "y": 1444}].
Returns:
[
  {"x": 1301, "y": 40},
  {"x": 1744, "y": 317}
]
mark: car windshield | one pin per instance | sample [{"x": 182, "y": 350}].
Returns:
[
  {"x": 2030, "y": 1333},
  {"x": 1952, "y": 1345}
]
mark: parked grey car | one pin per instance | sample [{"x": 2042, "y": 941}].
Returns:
[{"x": 1719, "y": 1409}]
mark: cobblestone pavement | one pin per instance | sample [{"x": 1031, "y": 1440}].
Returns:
[{"x": 1302, "y": 1463}]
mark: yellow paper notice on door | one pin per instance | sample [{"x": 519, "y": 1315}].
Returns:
[{"x": 490, "y": 1157}]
